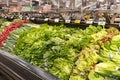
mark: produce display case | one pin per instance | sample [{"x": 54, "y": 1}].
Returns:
[
  {"x": 12, "y": 66},
  {"x": 65, "y": 27}
]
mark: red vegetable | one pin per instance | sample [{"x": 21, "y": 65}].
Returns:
[{"x": 9, "y": 29}]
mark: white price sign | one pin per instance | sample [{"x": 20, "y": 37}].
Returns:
[
  {"x": 27, "y": 18},
  {"x": 119, "y": 24},
  {"x": 89, "y": 21},
  {"x": 32, "y": 18},
  {"x": 101, "y": 23},
  {"x": 5, "y": 16},
  {"x": 46, "y": 19},
  {"x": 56, "y": 20},
  {"x": 12, "y": 17},
  {"x": 67, "y": 21}
]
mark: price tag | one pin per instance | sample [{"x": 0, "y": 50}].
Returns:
[
  {"x": 89, "y": 21},
  {"x": 32, "y": 18},
  {"x": 67, "y": 21},
  {"x": 77, "y": 21},
  {"x": 56, "y": 20},
  {"x": 12, "y": 17},
  {"x": 27, "y": 18},
  {"x": 101, "y": 23},
  {"x": 20, "y": 17},
  {"x": 46, "y": 19},
  {"x": 5, "y": 16},
  {"x": 119, "y": 24}
]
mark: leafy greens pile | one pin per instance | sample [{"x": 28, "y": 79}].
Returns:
[{"x": 72, "y": 53}]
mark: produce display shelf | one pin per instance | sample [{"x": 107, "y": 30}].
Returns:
[{"x": 74, "y": 25}]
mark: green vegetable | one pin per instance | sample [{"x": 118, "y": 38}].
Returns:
[
  {"x": 107, "y": 69},
  {"x": 70, "y": 53},
  {"x": 76, "y": 77},
  {"x": 95, "y": 76}
]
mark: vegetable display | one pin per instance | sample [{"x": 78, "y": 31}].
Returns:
[
  {"x": 91, "y": 55},
  {"x": 8, "y": 28},
  {"x": 9, "y": 44},
  {"x": 68, "y": 53},
  {"x": 71, "y": 53},
  {"x": 4, "y": 25}
]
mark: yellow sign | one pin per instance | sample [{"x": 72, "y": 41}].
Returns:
[
  {"x": 77, "y": 21},
  {"x": 87, "y": 17}
]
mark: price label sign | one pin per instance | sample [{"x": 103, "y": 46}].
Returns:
[
  {"x": 46, "y": 19},
  {"x": 119, "y": 24},
  {"x": 56, "y": 20},
  {"x": 67, "y": 21},
  {"x": 21, "y": 17},
  {"x": 27, "y": 18},
  {"x": 5, "y": 16},
  {"x": 77, "y": 21},
  {"x": 101, "y": 23},
  {"x": 31, "y": 18},
  {"x": 89, "y": 21},
  {"x": 12, "y": 17}
]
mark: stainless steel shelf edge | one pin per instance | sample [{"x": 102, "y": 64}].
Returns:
[{"x": 18, "y": 68}]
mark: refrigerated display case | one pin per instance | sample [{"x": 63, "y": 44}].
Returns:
[{"x": 76, "y": 15}]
